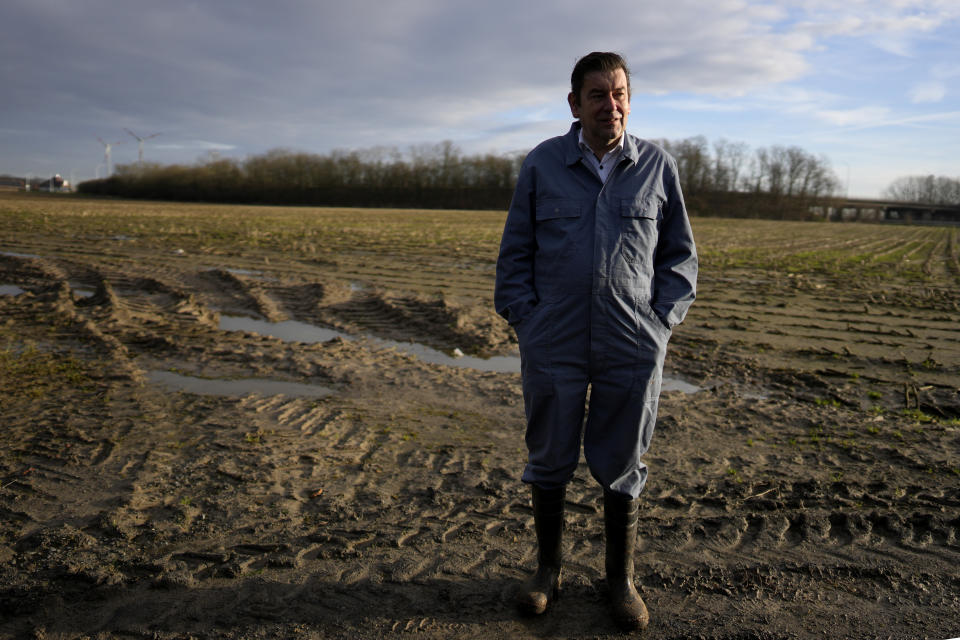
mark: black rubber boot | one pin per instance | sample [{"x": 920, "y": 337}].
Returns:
[
  {"x": 620, "y": 523},
  {"x": 541, "y": 589}
]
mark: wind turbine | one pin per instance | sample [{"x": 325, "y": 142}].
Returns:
[
  {"x": 140, "y": 142},
  {"x": 106, "y": 153}
]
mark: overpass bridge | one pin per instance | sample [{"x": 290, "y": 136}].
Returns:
[{"x": 865, "y": 210}]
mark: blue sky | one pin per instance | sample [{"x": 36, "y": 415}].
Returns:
[{"x": 873, "y": 86}]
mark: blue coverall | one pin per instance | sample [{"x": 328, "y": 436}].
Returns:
[{"x": 593, "y": 276}]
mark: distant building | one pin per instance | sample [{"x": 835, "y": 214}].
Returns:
[
  {"x": 56, "y": 183},
  {"x": 11, "y": 183}
]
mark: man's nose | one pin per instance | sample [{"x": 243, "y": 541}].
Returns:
[{"x": 610, "y": 102}]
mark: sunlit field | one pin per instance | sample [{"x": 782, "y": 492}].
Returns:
[{"x": 236, "y": 421}]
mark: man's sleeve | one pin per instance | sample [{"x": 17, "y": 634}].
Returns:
[
  {"x": 514, "y": 294},
  {"x": 675, "y": 264}
]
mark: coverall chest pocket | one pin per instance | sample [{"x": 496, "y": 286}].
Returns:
[
  {"x": 557, "y": 224},
  {"x": 640, "y": 220}
]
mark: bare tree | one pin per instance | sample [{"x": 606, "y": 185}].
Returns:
[
  {"x": 925, "y": 190},
  {"x": 728, "y": 161}
]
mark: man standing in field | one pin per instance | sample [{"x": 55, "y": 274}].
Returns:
[{"x": 597, "y": 264}]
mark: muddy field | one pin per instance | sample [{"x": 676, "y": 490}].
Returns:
[{"x": 242, "y": 422}]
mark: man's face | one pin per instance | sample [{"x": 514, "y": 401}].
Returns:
[{"x": 603, "y": 107}]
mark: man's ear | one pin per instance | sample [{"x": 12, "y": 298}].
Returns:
[{"x": 574, "y": 107}]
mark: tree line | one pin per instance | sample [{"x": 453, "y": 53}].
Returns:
[
  {"x": 427, "y": 176},
  {"x": 727, "y": 179},
  {"x": 925, "y": 190},
  {"x": 723, "y": 179}
]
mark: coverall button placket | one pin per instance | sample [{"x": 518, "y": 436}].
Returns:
[{"x": 601, "y": 320}]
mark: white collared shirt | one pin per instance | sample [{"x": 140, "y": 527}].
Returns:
[{"x": 605, "y": 165}]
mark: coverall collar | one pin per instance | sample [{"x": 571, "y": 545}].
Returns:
[{"x": 574, "y": 154}]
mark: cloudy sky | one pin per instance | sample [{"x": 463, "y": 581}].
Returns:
[{"x": 874, "y": 85}]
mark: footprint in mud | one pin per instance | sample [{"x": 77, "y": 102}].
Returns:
[
  {"x": 804, "y": 528},
  {"x": 407, "y": 568},
  {"x": 719, "y": 533},
  {"x": 888, "y": 528},
  {"x": 756, "y": 525}
]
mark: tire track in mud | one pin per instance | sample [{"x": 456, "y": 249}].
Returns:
[
  {"x": 827, "y": 528},
  {"x": 145, "y": 299},
  {"x": 228, "y": 291},
  {"x": 873, "y": 339},
  {"x": 360, "y": 449}
]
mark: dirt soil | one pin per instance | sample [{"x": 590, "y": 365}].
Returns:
[{"x": 807, "y": 485}]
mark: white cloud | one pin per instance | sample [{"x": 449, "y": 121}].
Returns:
[
  {"x": 890, "y": 25},
  {"x": 927, "y": 92},
  {"x": 861, "y": 116}
]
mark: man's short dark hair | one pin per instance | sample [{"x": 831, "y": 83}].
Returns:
[{"x": 604, "y": 61}]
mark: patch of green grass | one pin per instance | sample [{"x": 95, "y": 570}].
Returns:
[
  {"x": 26, "y": 371},
  {"x": 918, "y": 416}
]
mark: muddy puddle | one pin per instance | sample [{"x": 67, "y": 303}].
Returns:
[
  {"x": 16, "y": 254},
  {"x": 295, "y": 331},
  {"x": 10, "y": 290},
  {"x": 81, "y": 290},
  {"x": 235, "y": 387},
  {"x": 253, "y": 273},
  {"x": 678, "y": 384},
  {"x": 287, "y": 330}
]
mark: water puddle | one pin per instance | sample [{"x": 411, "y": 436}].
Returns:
[
  {"x": 294, "y": 331},
  {"x": 288, "y": 330},
  {"x": 754, "y": 394},
  {"x": 498, "y": 364},
  {"x": 676, "y": 384},
  {"x": 82, "y": 290},
  {"x": 239, "y": 387},
  {"x": 238, "y": 272},
  {"x": 10, "y": 290},
  {"x": 19, "y": 255}
]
